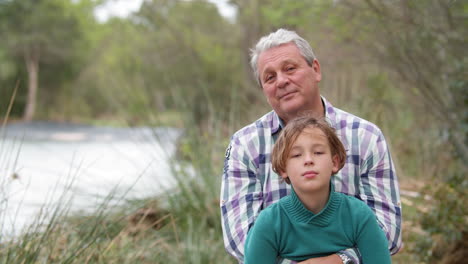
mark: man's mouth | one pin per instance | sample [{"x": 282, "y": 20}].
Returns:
[{"x": 286, "y": 94}]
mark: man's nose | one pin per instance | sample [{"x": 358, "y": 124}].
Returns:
[{"x": 282, "y": 80}]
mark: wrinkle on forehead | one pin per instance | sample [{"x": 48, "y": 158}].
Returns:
[{"x": 279, "y": 55}]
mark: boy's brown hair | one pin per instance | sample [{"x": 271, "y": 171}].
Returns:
[{"x": 291, "y": 132}]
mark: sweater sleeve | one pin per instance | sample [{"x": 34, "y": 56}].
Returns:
[
  {"x": 371, "y": 240},
  {"x": 260, "y": 245}
]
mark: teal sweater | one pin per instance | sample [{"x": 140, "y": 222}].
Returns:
[{"x": 288, "y": 230}]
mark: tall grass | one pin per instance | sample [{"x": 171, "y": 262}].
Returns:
[{"x": 184, "y": 228}]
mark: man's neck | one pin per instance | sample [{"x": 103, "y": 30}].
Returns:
[{"x": 317, "y": 110}]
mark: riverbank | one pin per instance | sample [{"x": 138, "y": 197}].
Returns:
[{"x": 42, "y": 161}]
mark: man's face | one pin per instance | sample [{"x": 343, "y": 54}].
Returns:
[{"x": 289, "y": 83}]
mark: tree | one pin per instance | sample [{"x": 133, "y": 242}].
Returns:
[
  {"x": 424, "y": 44},
  {"x": 191, "y": 57},
  {"x": 38, "y": 32}
]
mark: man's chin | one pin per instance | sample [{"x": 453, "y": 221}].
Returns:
[{"x": 293, "y": 110}]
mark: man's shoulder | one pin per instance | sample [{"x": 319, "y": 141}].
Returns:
[
  {"x": 346, "y": 120},
  {"x": 262, "y": 126}
]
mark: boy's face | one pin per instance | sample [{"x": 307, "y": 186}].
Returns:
[{"x": 310, "y": 164}]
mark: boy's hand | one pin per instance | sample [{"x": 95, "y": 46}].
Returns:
[{"x": 332, "y": 259}]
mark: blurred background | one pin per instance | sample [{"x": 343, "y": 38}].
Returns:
[{"x": 72, "y": 68}]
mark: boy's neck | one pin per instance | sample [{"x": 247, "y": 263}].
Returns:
[{"x": 316, "y": 201}]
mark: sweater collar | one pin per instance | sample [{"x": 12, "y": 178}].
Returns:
[{"x": 301, "y": 214}]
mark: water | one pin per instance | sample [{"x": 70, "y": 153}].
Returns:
[{"x": 40, "y": 162}]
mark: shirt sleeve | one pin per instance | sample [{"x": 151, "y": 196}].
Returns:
[
  {"x": 379, "y": 189},
  {"x": 353, "y": 254},
  {"x": 241, "y": 197},
  {"x": 370, "y": 238}
]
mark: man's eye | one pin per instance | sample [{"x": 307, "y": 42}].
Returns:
[{"x": 268, "y": 78}]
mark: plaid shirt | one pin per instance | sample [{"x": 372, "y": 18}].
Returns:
[{"x": 249, "y": 184}]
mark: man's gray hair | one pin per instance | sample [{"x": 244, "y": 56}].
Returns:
[{"x": 275, "y": 39}]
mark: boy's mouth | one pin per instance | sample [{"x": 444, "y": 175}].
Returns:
[{"x": 310, "y": 174}]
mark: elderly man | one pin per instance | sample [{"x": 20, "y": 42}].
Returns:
[{"x": 288, "y": 73}]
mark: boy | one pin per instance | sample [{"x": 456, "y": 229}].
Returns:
[{"x": 314, "y": 220}]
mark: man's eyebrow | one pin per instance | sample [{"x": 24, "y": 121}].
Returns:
[
  {"x": 289, "y": 61},
  {"x": 266, "y": 70}
]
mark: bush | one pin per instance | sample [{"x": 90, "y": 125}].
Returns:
[{"x": 446, "y": 240}]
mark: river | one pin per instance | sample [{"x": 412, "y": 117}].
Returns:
[{"x": 40, "y": 162}]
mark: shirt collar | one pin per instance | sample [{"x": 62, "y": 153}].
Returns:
[{"x": 277, "y": 123}]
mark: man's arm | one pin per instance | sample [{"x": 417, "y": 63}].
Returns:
[
  {"x": 379, "y": 189},
  {"x": 241, "y": 198}
]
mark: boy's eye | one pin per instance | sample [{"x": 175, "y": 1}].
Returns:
[
  {"x": 318, "y": 153},
  {"x": 295, "y": 155}
]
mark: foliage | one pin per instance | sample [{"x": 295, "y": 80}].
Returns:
[
  {"x": 193, "y": 58},
  {"x": 445, "y": 222},
  {"x": 421, "y": 42},
  {"x": 45, "y": 44}
]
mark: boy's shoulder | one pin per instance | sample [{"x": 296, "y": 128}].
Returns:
[
  {"x": 355, "y": 205},
  {"x": 276, "y": 210},
  {"x": 269, "y": 216}
]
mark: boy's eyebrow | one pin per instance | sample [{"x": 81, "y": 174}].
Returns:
[
  {"x": 313, "y": 145},
  {"x": 296, "y": 147}
]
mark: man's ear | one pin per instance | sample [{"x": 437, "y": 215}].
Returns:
[
  {"x": 317, "y": 70},
  {"x": 336, "y": 163}
]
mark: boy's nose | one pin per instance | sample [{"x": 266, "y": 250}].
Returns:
[{"x": 308, "y": 160}]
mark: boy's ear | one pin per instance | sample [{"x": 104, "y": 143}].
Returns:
[
  {"x": 283, "y": 175},
  {"x": 336, "y": 162}
]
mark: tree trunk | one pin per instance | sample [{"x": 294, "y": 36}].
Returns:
[{"x": 32, "y": 65}]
